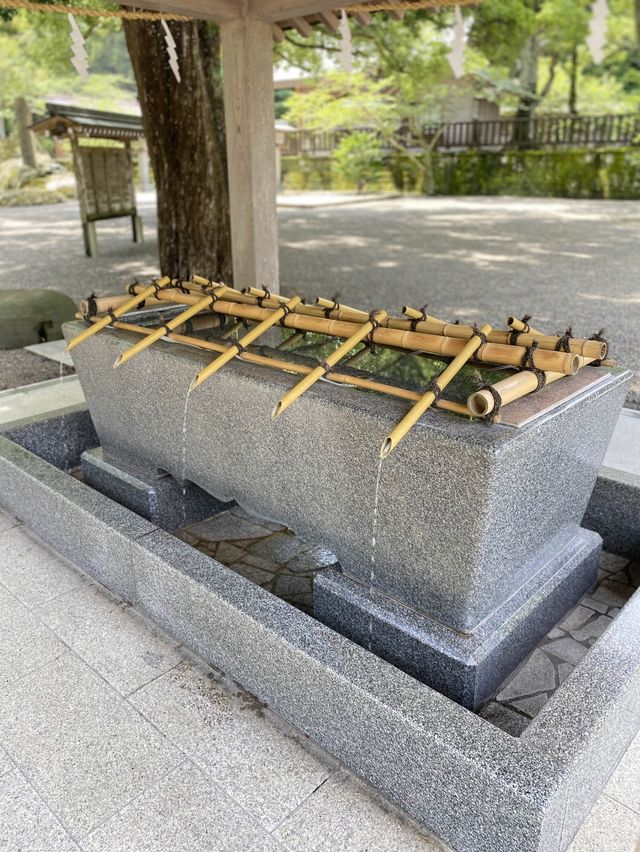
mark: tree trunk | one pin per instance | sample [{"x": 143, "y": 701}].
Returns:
[
  {"x": 637, "y": 17},
  {"x": 528, "y": 77},
  {"x": 573, "y": 82},
  {"x": 184, "y": 129}
]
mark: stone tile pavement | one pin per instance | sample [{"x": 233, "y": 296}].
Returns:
[
  {"x": 112, "y": 737},
  {"x": 525, "y": 692}
]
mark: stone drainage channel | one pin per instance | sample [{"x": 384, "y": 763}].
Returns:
[{"x": 527, "y": 784}]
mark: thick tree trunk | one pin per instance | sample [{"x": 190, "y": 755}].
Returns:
[{"x": 184, "y": 130}]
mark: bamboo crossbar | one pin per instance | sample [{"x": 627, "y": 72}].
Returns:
[
  {"x": 293, "y": 367},
  {"x": 431, "y": 343}
]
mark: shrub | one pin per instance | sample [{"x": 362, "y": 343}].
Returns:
[{"x": 357, "y": 159}]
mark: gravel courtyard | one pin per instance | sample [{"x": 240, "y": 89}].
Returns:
[{"x": 564, "y": 261}]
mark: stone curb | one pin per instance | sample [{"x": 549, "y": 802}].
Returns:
[{"x": 472, "y": 784}]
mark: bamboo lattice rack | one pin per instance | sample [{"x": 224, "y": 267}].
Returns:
[{"x": 536, "y": 358}]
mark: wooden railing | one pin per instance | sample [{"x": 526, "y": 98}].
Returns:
[{"x": 538, "y": 132}]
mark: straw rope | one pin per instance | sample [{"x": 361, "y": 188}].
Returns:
[
  {"x": 141, "y": 15},
  {"x": 87, "y": 12},
  {"x": 407, "y": 5}
]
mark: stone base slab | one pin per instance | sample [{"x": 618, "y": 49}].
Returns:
[
  {"x": 153, "y": 494},
  {"x": 466, "y": 667},
  {"x": 467, "y": 781}
]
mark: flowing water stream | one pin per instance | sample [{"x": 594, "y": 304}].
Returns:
[
  {"x": 183, "y": 471},
  {"x": 372, "y": 574}
]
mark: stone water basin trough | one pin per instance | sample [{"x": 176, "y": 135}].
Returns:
[{"x": 478, "y": 553}]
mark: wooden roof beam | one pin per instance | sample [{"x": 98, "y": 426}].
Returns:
[
  {"x": 331, "y": 21},
  {"x": 278, "y": 11},
  {"x": 362, "y": 18},
  {"x": 303, "y": 26},
  {"x": 210, "y": 10}
]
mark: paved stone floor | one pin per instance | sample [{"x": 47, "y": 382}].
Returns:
[
  {"x": 275, "y": 558},
  {"x": 113, "y": 737},
  {"x": 266, "y": 553},
  {"x": 525, "y": 692},
  {"x": 565, "y": 261}
]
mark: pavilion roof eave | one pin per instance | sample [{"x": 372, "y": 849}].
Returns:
[{"x": 271, "y": 11}]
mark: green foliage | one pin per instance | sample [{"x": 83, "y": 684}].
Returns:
[
  {"x": 612, "y": 173},
  {"x": 519, "y": 51},
  {"x": 357, "y": 158},
  {"x": 35, "y": 50}
]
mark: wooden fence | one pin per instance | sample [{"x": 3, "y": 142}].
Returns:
[{"x": 538, "y": 132}]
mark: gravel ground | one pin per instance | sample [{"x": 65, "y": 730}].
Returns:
[
  {"x": 19, "y": 367},
  {"x": 564, "y": 261}
]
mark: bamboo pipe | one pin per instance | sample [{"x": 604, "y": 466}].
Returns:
[
  {"x": 158, "y": 333},
  {"x": 414, "y": 314},
  {"x": 102, "y": 304},
  {"x": 249, "y": 337},
  {"x": 331, "y": 360},
  {"x": 431, "y": 325},
  {"x": 414, "y": 414},
  {"x": 229, "y": 332},
  {"x": 513, "y": 387},
  {"x": 492, "y": 353},
  {"x": 519, "y": 325},
  {"x": 118, "y": 312},
  {"x": 292, "y": 367},
  {"x": 482, "y": 403}
]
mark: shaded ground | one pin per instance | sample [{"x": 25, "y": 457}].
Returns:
[
  {"x": 19, "y": 367},
  {"x": 564, "y": 261}
]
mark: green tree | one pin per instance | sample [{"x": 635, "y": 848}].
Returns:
[{"x": 358, "y": 158}]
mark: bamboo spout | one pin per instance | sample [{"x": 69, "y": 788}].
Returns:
[
  {"x": 522, "y": 326},
  {"x": 117, "y": 312},
  {"x": 332, "y": 359},
  {"x": 172, "y": 324},
  {"x": 236, "y": 348},
  {"x": 420, "y": 316},
  {"x": 414, "y": 414}
]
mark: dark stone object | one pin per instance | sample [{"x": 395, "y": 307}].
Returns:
[{"x": 32, "y": 316}]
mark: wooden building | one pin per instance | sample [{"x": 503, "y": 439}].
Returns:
[{"x": 103, "y": 164}]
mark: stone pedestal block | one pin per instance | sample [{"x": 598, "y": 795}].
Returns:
[
  {"x": 151, "y": 493},
  {"x": 464, "y": 514},
  {"x": 466, "y": 667}
]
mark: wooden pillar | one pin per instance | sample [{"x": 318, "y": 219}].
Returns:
[{"x": 247, "y": 66}]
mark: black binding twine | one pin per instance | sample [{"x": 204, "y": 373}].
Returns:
[
  {"x": 527, "y": 364},
  {"x": 483, "y": 339},
  {"x": 92, "y": 307},
  {"x": 598, "y": 336},
  {"x": 490, "y": 416},
  {"x": 514, "y": 335},
  {"x": 563, "y": 344}
]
